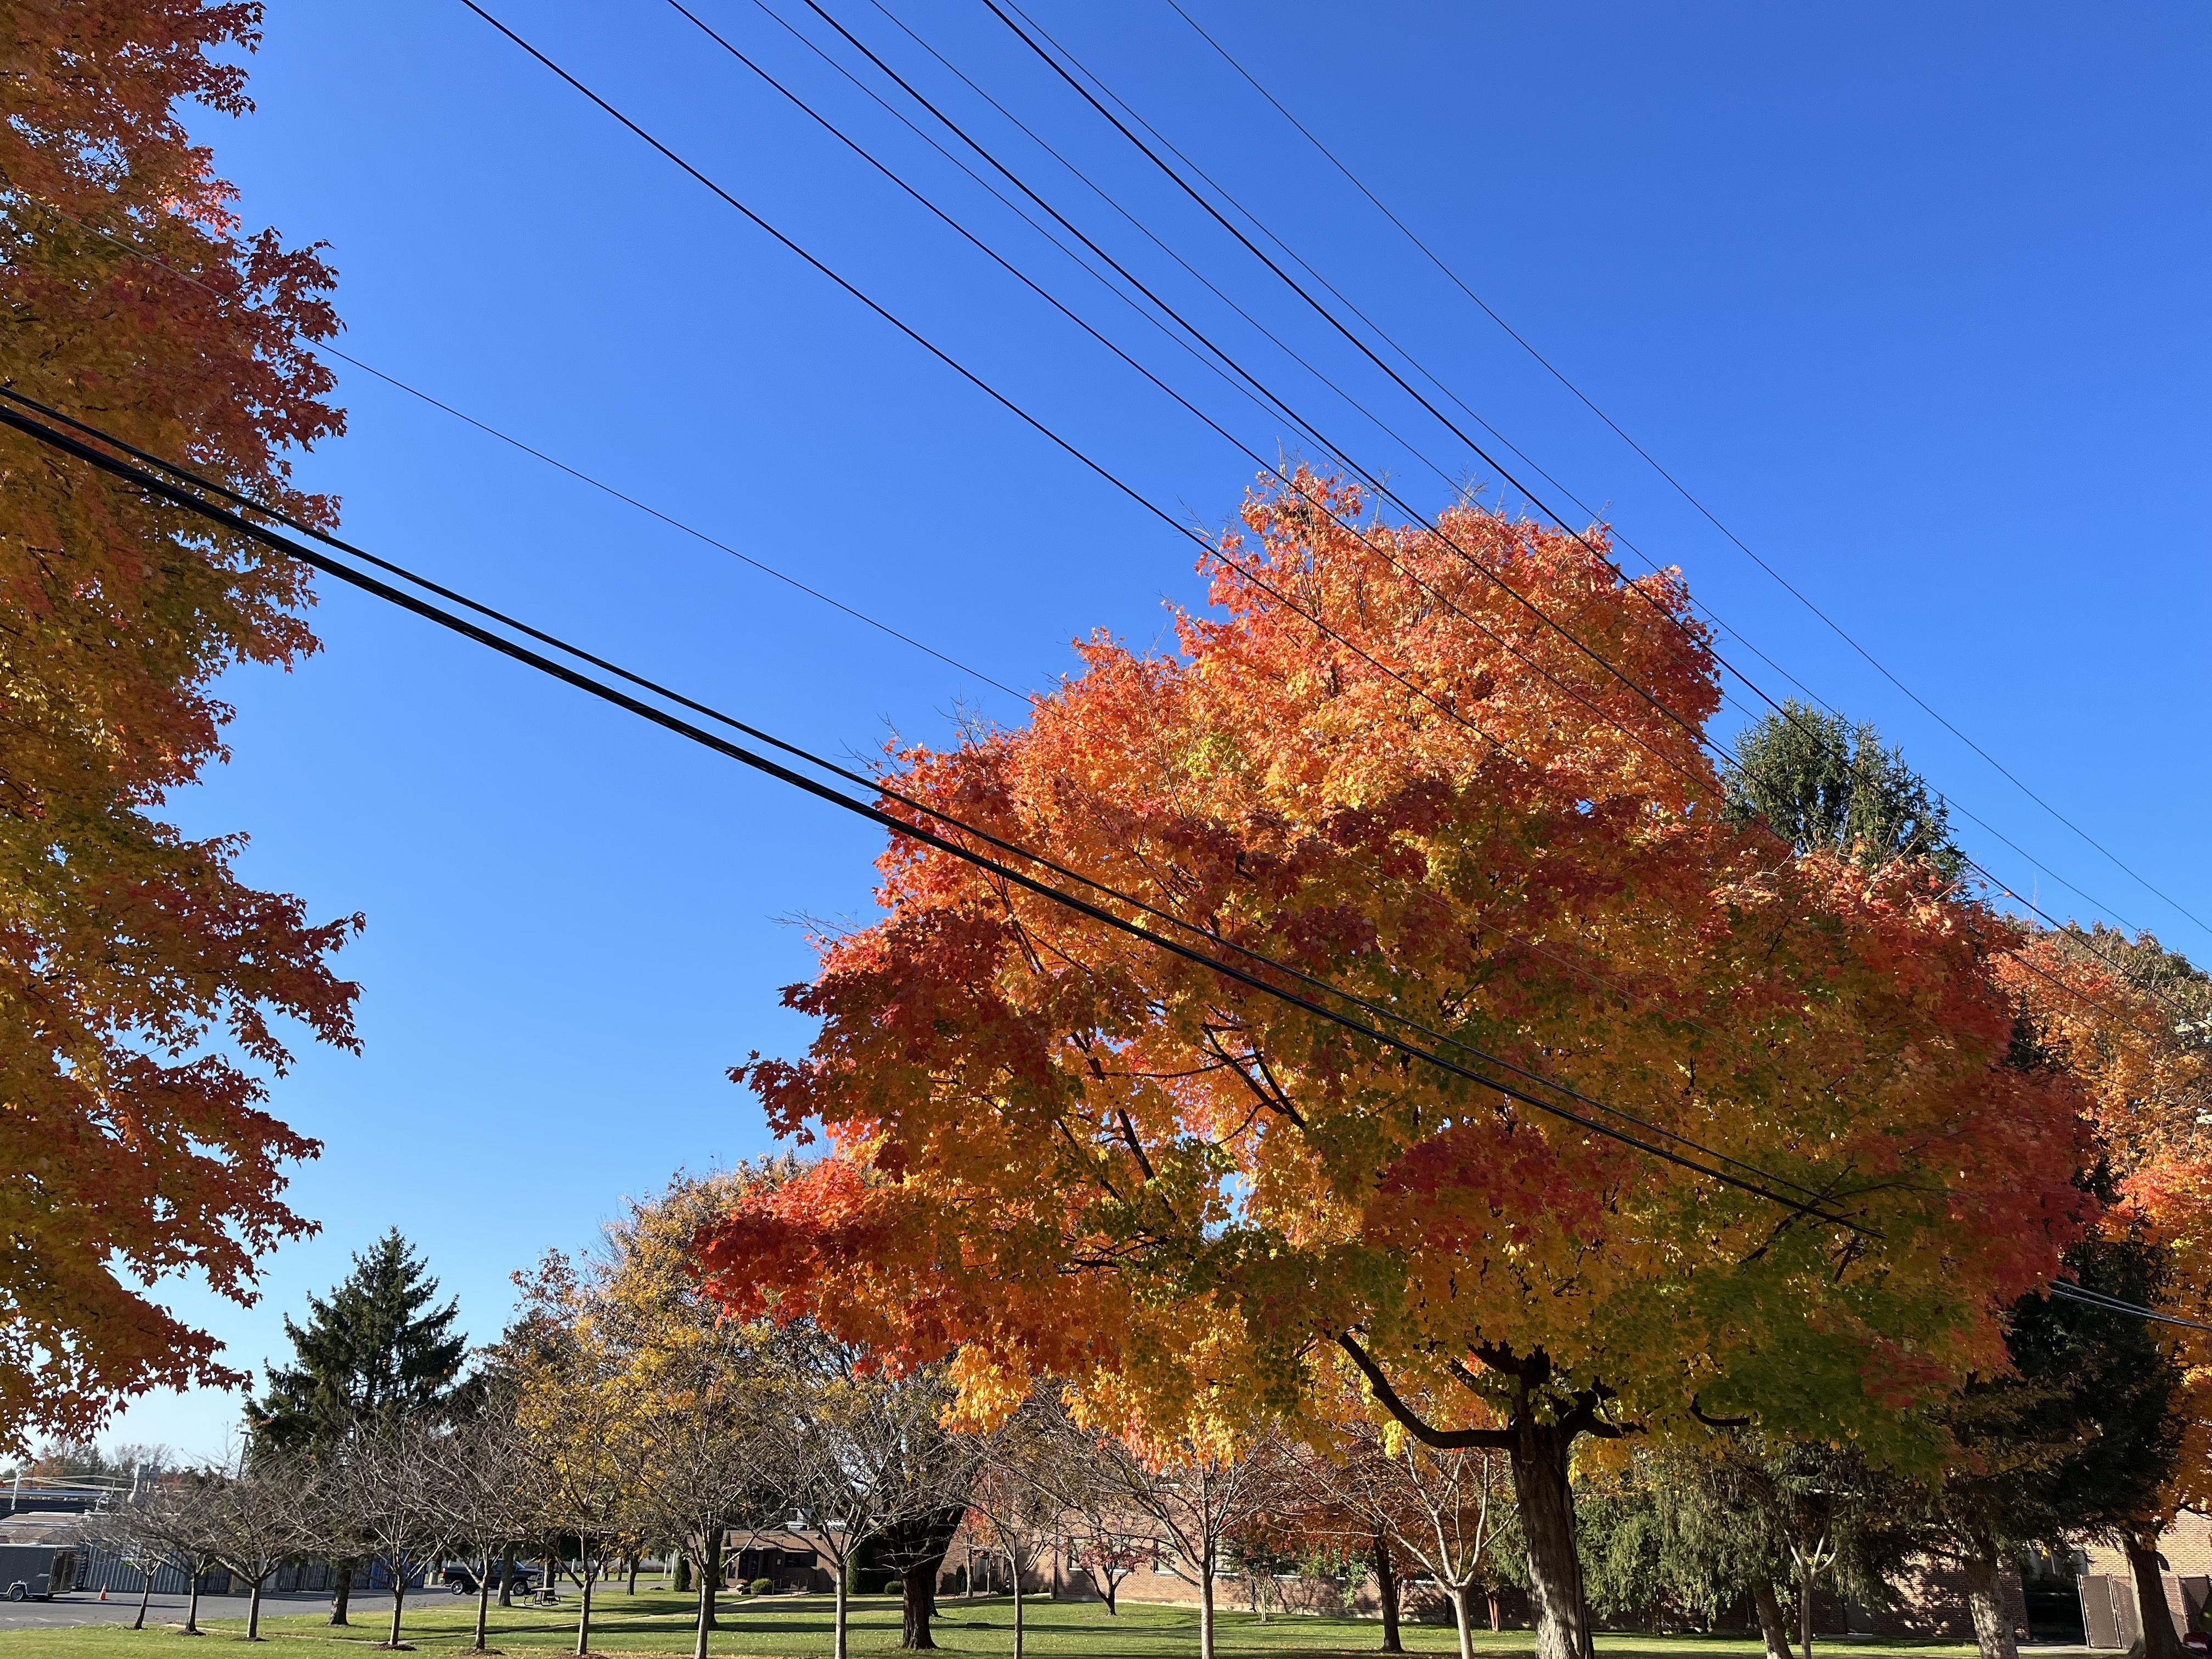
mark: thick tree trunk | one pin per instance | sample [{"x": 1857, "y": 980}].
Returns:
[
  {"x": 1805, "y": 1612},
  {"x": 633, "y": 1575},
  {"x": 680, "y": 1580},
  {"x": 1462, "y": 1597},
  {"x": 1386, "y": 1593},
  {"x": 1206, "y": 1610},
  {"x": 705, "y": 1622},
  {"x": 1992, "y": 1630},
  {"x": 507, "y": 1579},
  {"x": 2159, "y": 1641},
  {"x": 1772, "y": 1626},
  {"x": 838, "y": 1648},
  {"x": 1538, "y": 1455},
  {"x": 341, "y": 1592},
  {"x": 919, "y": 1586}
]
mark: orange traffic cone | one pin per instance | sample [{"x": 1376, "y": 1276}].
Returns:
[{"x": 103, "y": 1592}]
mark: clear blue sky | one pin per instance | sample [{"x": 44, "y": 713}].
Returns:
[{"x": 1913, "y": 297}]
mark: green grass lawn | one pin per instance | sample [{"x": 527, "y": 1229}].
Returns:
[{"x": 797, "y": 1627}]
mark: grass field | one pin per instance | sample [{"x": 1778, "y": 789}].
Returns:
[{"x": 779, "y": 1627}]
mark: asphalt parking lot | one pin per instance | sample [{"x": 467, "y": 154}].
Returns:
[{"x": 85, "y": 1607}]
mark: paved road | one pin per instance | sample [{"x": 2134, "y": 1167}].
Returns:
[{"x": 85, "y": 1607}]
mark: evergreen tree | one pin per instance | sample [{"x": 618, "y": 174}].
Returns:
[
  {"x": 1820, "y": 782},
  {"x": 375, "y": 1352}
]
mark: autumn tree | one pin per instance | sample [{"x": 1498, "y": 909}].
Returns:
[
  {"x": 2132, "y": 1021},
  {"x": 707, "y": 1395},
  {"x": 1446, "y": 1508},
  {"x": 142, "y": 981},
  {"x": 1066, "y": 1152}
]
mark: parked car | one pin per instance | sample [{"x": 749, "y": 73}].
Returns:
[
  {"x": 462, "y": 1581},
  {"x": 36, "y": 1570}
]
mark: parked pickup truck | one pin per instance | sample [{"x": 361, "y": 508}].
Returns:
[
  {"x": 462, "y": 1581},
  {"x": 42, "y": 1570}
]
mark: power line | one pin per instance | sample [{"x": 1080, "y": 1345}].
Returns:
[
  {"x": 177, "y": 495},
  {"x": 1121, "y": 485},
  {"x": 322, "y": 348},
  {"x": 1697, "y": 736},
  {"x": 1677, "y": 485}
]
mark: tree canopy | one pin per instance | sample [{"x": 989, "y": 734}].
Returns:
[
  {"x": 1066, "y": 1152},
  {"x": 134, "y": 1145}
]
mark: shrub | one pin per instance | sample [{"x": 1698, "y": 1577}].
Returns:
[{"x": 759, "y": 1586}]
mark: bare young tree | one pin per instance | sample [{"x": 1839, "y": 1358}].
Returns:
[
  {"x": 1012, "y": 1497},
  {"x": 1445, "y": 1508},
  {"x": 480, "y": 1488},
  {"x": 1199, "y": 1497},
  {"x": 871, "y": 1461},
  {"x": 255, "y": 1519},
  {"x": 125, "y": 1529},
  {"x": 177, "y": 1523},
  {"x": 381, "y": 1490}
]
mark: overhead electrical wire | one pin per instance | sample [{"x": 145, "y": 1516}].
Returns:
[
  {"x": 1105, "y": 473},
  {"x": 1673, "y": 481},
  {"x": 168, "y": 489},
  {"x": 1589, "y": 513},
  {"x": 324, "y": 348},
  {"x": 1721, "y": 754}
]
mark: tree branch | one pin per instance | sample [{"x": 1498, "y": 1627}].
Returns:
[{"x": 1442, "y": 1439}]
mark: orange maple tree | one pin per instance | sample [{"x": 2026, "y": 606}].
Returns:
[
  {"x": 130, "y": 1145},
  {"x": 1060, "y": 1152}
]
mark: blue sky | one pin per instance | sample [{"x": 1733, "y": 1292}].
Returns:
[{"x": 1912, "y": 297}]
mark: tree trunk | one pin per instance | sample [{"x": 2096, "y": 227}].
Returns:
[
  {"x": 1772, "y": 1626},
  {"x": 710, "y": 1581},
  {"x": 633, "y": 1575},
  {"x": 1014, "y": 1571},
  {"x": 584, "y": 1615},
  {"x": 918, "y": 1595},
  {"x": 1462, "y": 1597},
  {"x": 145, "y": 1594},
  {"x": 398, "y": 1599},
  {"x": 507, "y": 1579},
  {"x": 706, "y": 1619},
  {"x": 1497, "y": 1607},
  {"x": 838, "y": 1648},
  {"x": 341, "y": 1592},
  {"x": 1539, "y": 1455},
  {"x": 1992, "y": 1630},
  {"x": 1204, "y": 1610},
  {"x": 483, "y": 1604},
  {"x": 2159, "y": 1641},
  {"x": 192, "y": 1609},
  {"x": 1386, "y": 1593},
  {"x": 1805, "y": 1611},
  {"x": 253, "y": 1612},
  {"x": 1113, "y": 1589}
]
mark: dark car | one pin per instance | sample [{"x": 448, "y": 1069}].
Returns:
[{"x": 462, "y": 1581}]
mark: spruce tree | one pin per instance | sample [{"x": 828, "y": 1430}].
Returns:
[
  {"x": 1820, "y": 782},
  {"x": 374, "y": 1352}
]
